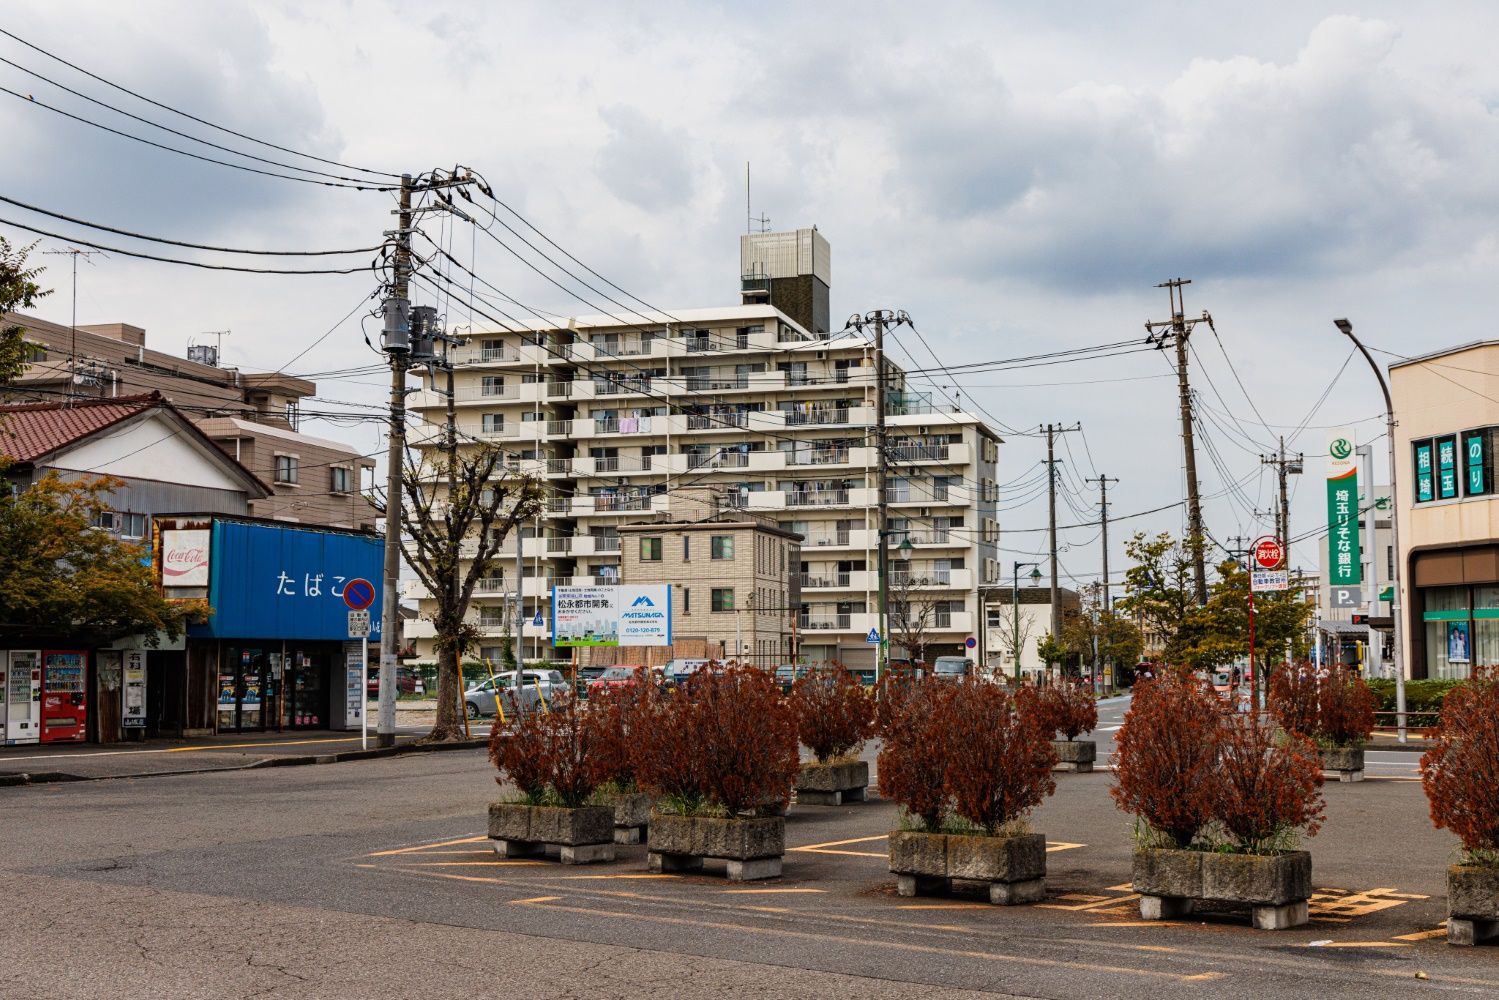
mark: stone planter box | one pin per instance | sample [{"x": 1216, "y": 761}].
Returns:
[
  {"x": 632, "y": 814},
  {"x": 1014, "y": 867},
  {"x": 1075, "y": 755},
  {"x": 1472, "y": 904},
  {"x": 1172, "y": 883},
  {"x": 580, "y": 835},
  {"x": 1347, "y": 761},
  {"x": 751, "y": 846},
  {"x": 832, "y": 784}
]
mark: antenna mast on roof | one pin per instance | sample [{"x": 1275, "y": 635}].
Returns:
[{"x": 75, "y": 253}]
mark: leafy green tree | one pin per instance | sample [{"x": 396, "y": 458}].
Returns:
[
  {"x": 61, "y": 576},
  {"x": 1217, "y": 633},
  {"x": 1051, "y": 649},
  {"x": 1158, "y": 587},
  {"x": 1117, "y": 636},
  {"x": 18, "y": 290}
]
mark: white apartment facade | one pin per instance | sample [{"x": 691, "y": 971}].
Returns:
[{"x": 619, "y": 415}]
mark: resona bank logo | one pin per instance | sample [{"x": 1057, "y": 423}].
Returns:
[
  {"x": 643, "y": 602},
  {"x": 1340, "y": 449}
]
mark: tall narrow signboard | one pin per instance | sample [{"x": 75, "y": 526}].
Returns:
[{"x": 1344, "y": 556}]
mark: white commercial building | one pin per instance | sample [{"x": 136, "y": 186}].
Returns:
[{"x": 758, "y": 399}]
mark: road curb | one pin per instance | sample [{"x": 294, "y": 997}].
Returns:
[{"x": 17, "y": 778}]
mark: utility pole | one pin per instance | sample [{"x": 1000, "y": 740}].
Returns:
[
  {"x": 1283, "y": 467},
  {"x": 879, "y": 319},
  {"x": 1103, "y": 482},
  {"x": 395, "y": 339},
  {"x": 1174, "y": 332},
  {"x": 1052, "y": 430}
]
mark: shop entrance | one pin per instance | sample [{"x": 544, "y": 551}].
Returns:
[
  {"x": 271, "y": 688},
  {"x": 307, "y": 689}
]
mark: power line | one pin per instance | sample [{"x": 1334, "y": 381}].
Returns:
[
  {"x": 190, "y": 117},
  {"x": 180, "y": 243},
  {"x": 174, "y": 260}
]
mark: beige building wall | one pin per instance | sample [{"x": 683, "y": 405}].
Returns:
[
  {"x": 707, "y": 554},
  {"x": 253, "y": 417},
  {"x": 1442, "y": 540}
]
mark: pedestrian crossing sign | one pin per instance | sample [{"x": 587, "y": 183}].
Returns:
[{"x": 873, "y": 638}]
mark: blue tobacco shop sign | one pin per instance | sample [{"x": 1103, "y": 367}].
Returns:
[{"x": 272, "y": 581}]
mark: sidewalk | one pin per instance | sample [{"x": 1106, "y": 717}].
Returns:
[{"x": 33, "y": 763}]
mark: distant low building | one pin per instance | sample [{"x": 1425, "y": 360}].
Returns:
[{"x": 1032, "y": 612}]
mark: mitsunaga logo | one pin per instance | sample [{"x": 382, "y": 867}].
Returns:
[
  {"x": 643, "y": 602},
  {"x": 1340, "y": 448}
]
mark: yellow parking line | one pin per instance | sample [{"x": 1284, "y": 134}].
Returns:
[
  {"x": 534, "y": 899},
  {"x": 1054, "y": 846},
  {"x": 767, "y": 891},
  {"x": 839, "y": 843},
  {"x": 852, "y": 854},
  {"x": 582, "y": 877},
  {"x": 946, "y": 906},
  {"x": 473, "y": 864},
  {"x": 1423, "y": 935},
  {"x": 424, "y": 847}
]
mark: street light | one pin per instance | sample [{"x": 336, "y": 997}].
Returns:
[
  {"x": 1395, "y": 617},
  {"x": 1035, "y": 578}
]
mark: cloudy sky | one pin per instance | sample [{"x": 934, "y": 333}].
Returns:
[{"x": 1017, "y": 177}]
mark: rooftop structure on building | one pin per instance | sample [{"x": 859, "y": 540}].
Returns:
[
  {"x": 256, "y": 418},
  {"x": 776, "y": 412}
]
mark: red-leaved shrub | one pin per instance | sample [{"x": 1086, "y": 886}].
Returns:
[
  {"x": 891, "y": 694},
  {"x": 1267, "y": 786},
  {"x": 550, "y": 756},
  {"x": 725, "y": 739},
  {"x": 1461, "y": 770},
  {"x": 998, "y": 762},
  {"x": 1069, "y": 709},
  {"x": 1332, "y": 706},
  {"x": 1166, "y": 753},
  {"x": 913, "y": 762},
  {"x": 835, "y": 715},
  {"x": 622, "y": 714}
]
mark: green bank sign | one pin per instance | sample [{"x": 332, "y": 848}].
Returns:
[{"x": 1344, "y": 556}]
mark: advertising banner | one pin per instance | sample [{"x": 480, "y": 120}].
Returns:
[
  {"x": 184, "y": 558},
  {"x": 612, "y": 615},
  {"x": 1344, "y": 557}
]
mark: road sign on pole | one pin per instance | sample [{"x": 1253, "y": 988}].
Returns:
[
  {"x": 1268, "y": 552},
  {"x": 359, "y": 594},
  {"x": 359, "y": 624},
  {"x": 873, "y": 638}
]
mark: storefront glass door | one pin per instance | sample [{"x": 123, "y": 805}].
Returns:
[
  {"x": 247, "y": 689},
  {"x": 307, "y": 688}
]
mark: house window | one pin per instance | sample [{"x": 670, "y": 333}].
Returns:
[
  {"x": 286, "y": 469},
  {"x": 686, "y": 548},
  {"x": 723, "y": 598},
  {"x": 107, "y": 520},
  {"x": 723, "y": 547},
  {"x": 686, "y": 601},
  {"x": 338, "y": 479},
  {"x": 650, "y": 549},
  {"x": 492, "y": 423},
  {"x": 132, "y": 525}
]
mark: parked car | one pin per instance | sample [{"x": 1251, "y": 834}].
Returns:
[
  {"x": 584, "y": 677},
  {"x": 951, "y": 668},
  {"x": 538, "y": 684},
  {"x": 408, "y": 681},
  {"x": 677, "y": 671},
  {"x": 615, "y": 677},
  {"x": 902, "y": 666},
  {"x": 788, "y": 674}
]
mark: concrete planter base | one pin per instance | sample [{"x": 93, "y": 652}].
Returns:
[
  {"x": 580, "y": 835},
  {"x": 1075, "y": 755},
  {"x": 1347, "y": 761},
  {"x": 1173, "y": 883},
  {"x": 832, "y": 784},
  {"x": 927, "y": 863},
  {"x": 632, "y": 814},
  {"x": 1472, "y": 904},
  {"x": 750, "y": 847}
]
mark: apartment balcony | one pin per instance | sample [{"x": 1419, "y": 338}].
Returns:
[
  {"x": 811, "y": 623},
  {"x": 817, "y": 456},
  {"x": 559, "y": 428},
  {"x": 943, "y": 579},
  {"x": 829, "y": 417},
  {"x": 815, "y": 498},
  {"x": 826, "y": 580},
  {"x": 817, "y": 538},
  {"x": 473, "y": 354},
  {"x": 528, "y": 430},
  {"x": 623, "y": 387}
]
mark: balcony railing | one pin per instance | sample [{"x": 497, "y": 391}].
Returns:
[
  {"x": 622, "y": 348},
  {"x": 817, "y": 418},
  {"x": 825, "y": 580},
  {"x": 921, "y": 578},
  {"x": 559, "y": 466},
  {"x": 559, "y": 390},
  {"x": 606, "y": 464},
  {"x": 559, "y": 543},
  {"x": 816, "y": 498},
  {"x": 614, "y": 503},
  {"x": 821, "y": 456},
  {"x": 705, "y": 421},
  {"x": 701, "y": 345},
  {"x": 618, "y": 387},
  {"x": 812, "y": 623},
  {"x": 559, "y": 428},
  {"x": 919, "y": 453},
  {"x": 606, "y": 543},
  {"x": 827, "y": 538}
]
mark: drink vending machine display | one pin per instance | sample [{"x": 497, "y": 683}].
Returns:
[
  {"x": 64, "y": 696},
  {"x": 21, "y": 697}
]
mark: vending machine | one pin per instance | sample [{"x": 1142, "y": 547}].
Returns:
[
  {"x": 21, "y": 694},
  {"x": 64, "y": 696}
]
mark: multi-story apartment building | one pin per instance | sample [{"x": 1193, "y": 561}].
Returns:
[
  {"x": 764, "y": 404},
  {"x": 254, "y": 418}
]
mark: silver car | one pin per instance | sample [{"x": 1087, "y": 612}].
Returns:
[{"x": 538, "y": 685}]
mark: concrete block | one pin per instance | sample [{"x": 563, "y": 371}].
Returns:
[
  {"x": 629, "y": 834},
  {"x": 750, "y": 870},
  {"x": 1467, "y": 933},
  {"x": 1347, "y": 776},
  {"x": 922, "y": 885},
  {"x": 1261, "y": 880},
  {"x": 514, "y": 848},
  {"x": 740, "y": 838},
  {"x": 1473, "y": 892},
  {"x": 1342, "y": 758},
  {"x": 1017, "y": 893},
  {"x": 661, "y": 863},
  {"x": 1075, "y": 755},
  {"x": 913, "y": 853},
  {"x": 997, "y": 859},
  {"x": 832, "y": 777},
  {"x": 1279, "y": 918},
  {"x": 583, "y": 854},
  {"x": 1164, "y": 907},
  {"x": 809, "y": 798}
]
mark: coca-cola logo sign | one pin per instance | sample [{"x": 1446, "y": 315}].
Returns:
[{"x": 184, "y": 558}]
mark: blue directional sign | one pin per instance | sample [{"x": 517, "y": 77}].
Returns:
[
  {"x": 537, "y": 620},
  {"x": 873, "y": 638}
]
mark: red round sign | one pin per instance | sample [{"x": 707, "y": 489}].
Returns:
[
  {"x": 1268, "y": 552},
  {"x": 359, "y": 593}
]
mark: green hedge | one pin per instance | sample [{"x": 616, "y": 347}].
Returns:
[{"x": 1422, "y": 699}]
